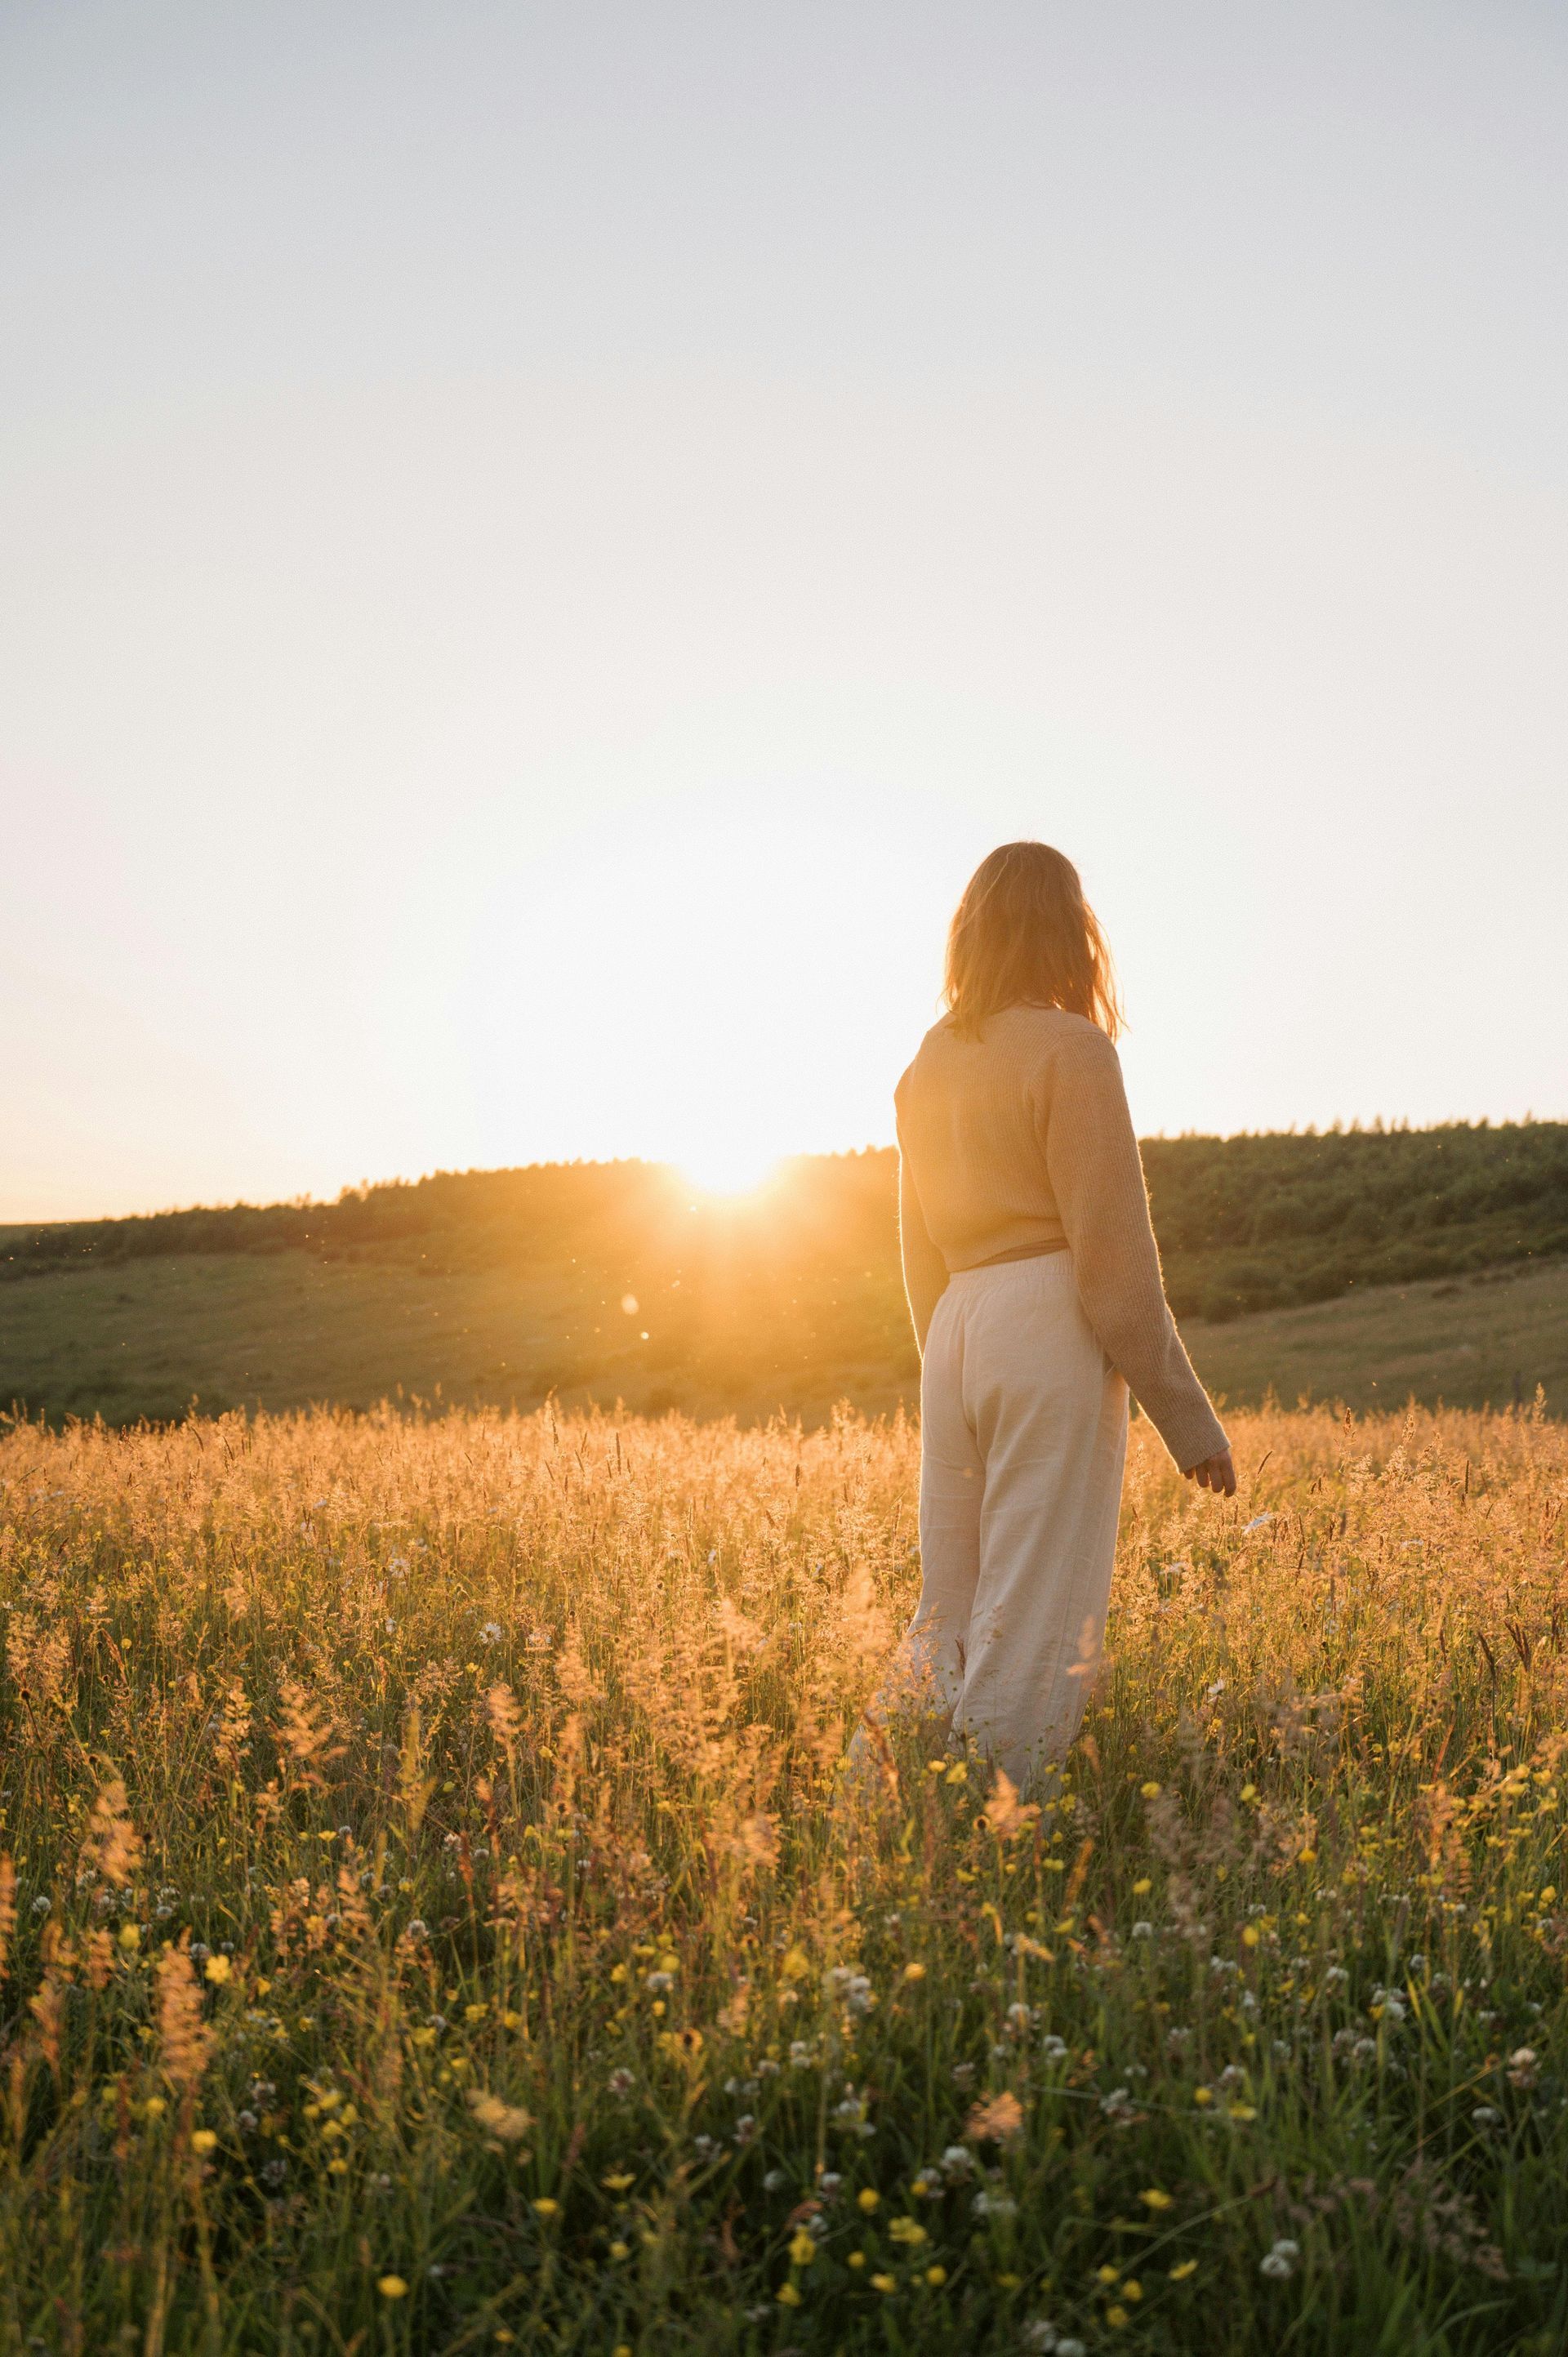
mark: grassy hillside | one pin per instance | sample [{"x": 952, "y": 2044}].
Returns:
[{"x": 1343, "y": 1265}]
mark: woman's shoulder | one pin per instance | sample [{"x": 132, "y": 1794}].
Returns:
[
  {"x": 1048, "y": 1034},
  {"x": 939, "y": 1040},
  {"x": 1031, "y": 1038}
]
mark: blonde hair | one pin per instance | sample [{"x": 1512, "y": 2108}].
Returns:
[{"x": 1024, "y": 935}]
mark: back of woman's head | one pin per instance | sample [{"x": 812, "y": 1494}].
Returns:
[{"x": 1024, "y": 935}]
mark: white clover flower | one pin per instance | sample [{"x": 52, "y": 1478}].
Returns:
[
  {"x": 1143, "y": 1930},
  {"x": 1522, "y": 2064}
]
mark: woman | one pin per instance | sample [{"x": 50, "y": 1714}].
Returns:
[{"x": 1033, "y": 1283}]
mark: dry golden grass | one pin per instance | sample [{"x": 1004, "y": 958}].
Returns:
[{"x": 435, "y": 1917}]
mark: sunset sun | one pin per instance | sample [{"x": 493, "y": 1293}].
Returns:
[{"x": 729, "y": 1166}]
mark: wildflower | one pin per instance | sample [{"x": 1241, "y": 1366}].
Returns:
[
  {"x": 545, "y": 2207},
  {"x": 391, "y": 2286},
  {"x": 1005, "y": 1813},
  {"x": 936, "y": 2276},
  {"x": 1154, "y": 2198},
  {"x": 203, "y": 2140},
  {"x": 914, "y": 1972},
  {"x": 997, "y": 2118},
  {"x": 802, "y": 2249},
  {"x": 111, "y": 1846},
  {"x": 217, "y": 1969},
  {"x": 506, "y": 2122},
  {"x": 620, "y": 2250},
  {"x": 994, "y": 2205},
  {"x": 1183, "y": 2268},
  {"x": 620, "y": 2083},
  {"x": 884, "y": 2283},
  {"x": 906, "y": 2230},
  {"x": 1280, "y": 2262},
  {"x": 1143, "y": 1930},
  {"x": 1522, "y": 2064},
  {"x": 185, "y": 2039},
  {"x": 1151, "y": 1792},
  {"x": 869, "y": 2199},
  {"x": 790, "y": 2293}
]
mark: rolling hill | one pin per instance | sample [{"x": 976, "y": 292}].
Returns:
[{"x": 1365, "y": 1264}]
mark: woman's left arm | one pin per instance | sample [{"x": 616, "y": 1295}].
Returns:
[{"x": 1097, "y": 1177}]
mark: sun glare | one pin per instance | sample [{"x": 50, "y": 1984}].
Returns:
[{"x": 728, "y": 1168}]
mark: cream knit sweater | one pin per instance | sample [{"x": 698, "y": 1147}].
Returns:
[{"x": 1020, "y": 1142}]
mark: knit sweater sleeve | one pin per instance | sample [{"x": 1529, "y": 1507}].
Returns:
[
  {"x": 925, "y": 1270},
  {"x": 1097, "y": 1177}
]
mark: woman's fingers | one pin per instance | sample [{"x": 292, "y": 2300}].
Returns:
[{"x": 1216, "y": 1473}]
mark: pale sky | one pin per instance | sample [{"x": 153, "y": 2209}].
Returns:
[{"x": 540, "y": 543}]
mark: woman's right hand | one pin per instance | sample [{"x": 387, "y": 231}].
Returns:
[{"x": 1215, "y": 1473}]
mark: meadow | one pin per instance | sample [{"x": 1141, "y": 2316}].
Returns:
[{"x": 437, "y": 1916}]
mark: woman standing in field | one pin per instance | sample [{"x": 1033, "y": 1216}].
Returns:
[{"x": 1033, "y": 1283}]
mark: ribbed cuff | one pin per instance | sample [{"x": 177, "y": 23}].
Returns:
[{"x": 1191, "y": 1431}]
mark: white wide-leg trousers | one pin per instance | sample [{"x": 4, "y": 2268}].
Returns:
[{"x": 1023, "y": 1443}]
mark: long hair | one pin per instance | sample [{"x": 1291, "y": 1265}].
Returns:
[{"x": 1024, "y": 935}]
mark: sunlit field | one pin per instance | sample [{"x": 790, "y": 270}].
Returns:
[{"x": 436, "y": 1915}]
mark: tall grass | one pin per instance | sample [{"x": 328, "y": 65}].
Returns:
[{"x": 436, "y": 1917}]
